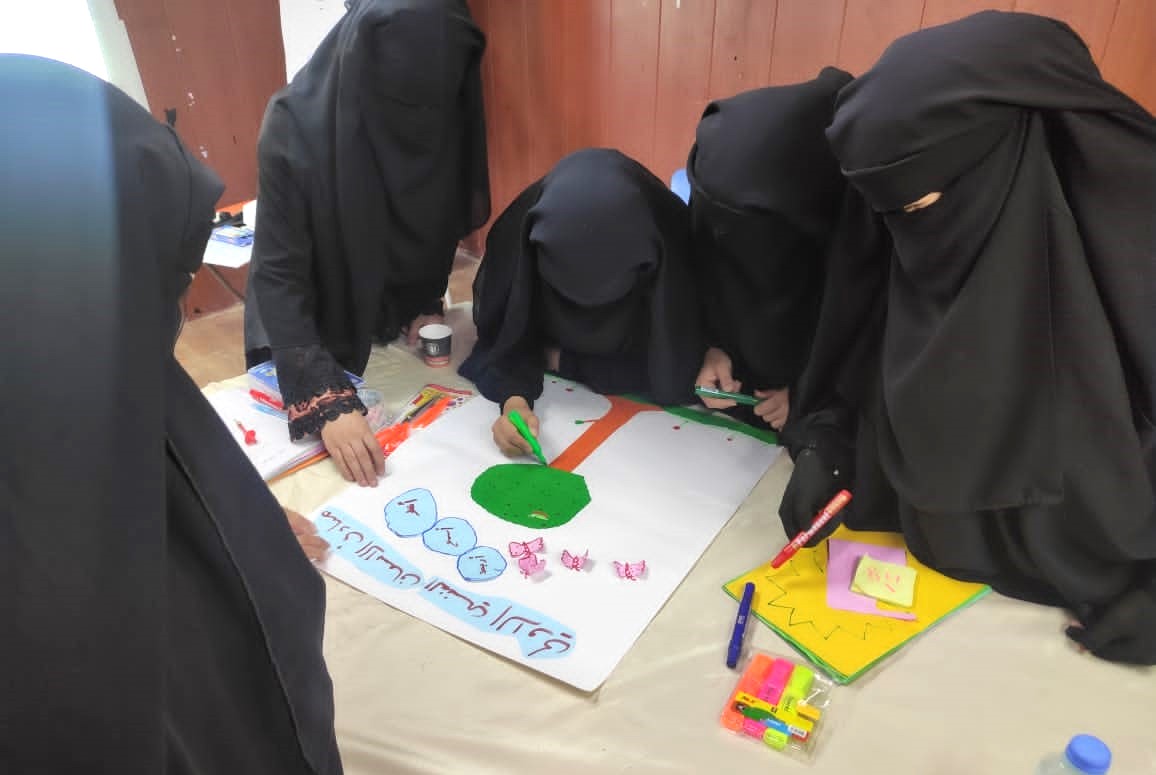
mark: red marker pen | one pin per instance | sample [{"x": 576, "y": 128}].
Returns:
[
  {"x": 267, "y": 400},
  {"x": 841, "y": 499}
]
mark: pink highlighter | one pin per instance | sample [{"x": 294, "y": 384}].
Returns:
[{"x": 777, "y": 679}]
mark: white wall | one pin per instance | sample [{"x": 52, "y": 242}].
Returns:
[
  {"x": 117, "y": 50},
  {"x": 303, "y": 25},
  {"x": 83, "y": 33}
]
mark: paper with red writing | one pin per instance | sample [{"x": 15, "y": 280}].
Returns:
[
  {"x": 889, "y": 582},
  {"x": 842, "y": 559}
]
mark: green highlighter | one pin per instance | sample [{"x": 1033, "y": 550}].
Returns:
[
  {"x": 524, "y": 432},
  {"x": 738, "y": 398}
]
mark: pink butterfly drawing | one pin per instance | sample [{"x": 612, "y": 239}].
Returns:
[
  {"x": 574, "y": 561},
  {"x": 520, "y": 548},
  {"x": 630, "y": 570},
  {"x": 530, "y": 564}
]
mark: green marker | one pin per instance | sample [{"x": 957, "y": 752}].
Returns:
[
  {"x": 740, "y": 398},
  {"x": 524, "y": 432}
]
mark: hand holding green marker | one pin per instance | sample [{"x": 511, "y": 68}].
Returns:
[
  {"x": 738, "y": 398},
  {"x": 524, "y": 431}
]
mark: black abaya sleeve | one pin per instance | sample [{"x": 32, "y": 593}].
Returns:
[
  {"x": 827, "y": 404},
  {"x": 310, "y": 378},
  {"x": 608, "y": 375},
  {"x": 509, "y": 357}
]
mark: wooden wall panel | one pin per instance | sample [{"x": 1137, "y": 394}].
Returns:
[
  {"x": 806, "y": 38},
  {"x": 870, "y": 25},
  {"x": 256, "y": 54},
  {"x": 509, "y": 104},
  {"x": 1091, "y": 19},
  {"x": 546, "y": 42},
  {"x": 585, "y": 70},
  {"x": 629, "y": 119},
  {"x": 213, "y": 96},
  {"x": 683, "y": 85},
  {"x": 741, "y": 49},
  {"x": 942, "y": 11},
  {"x": 216, "y": 66},
  {"x": 1130, "y": 57},
  {"x": 635, "y": 74}
]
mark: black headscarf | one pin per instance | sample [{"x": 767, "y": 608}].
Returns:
[
  {"x": 766, "y": 192},
  {"x": 158, "y": 613},
  {"x": 1008, "y": 422},
  {"x": 372, "y": 168},
  {"x": 594, "y": 258}
]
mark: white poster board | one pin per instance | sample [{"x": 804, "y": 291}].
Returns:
[{"x": 661, "y": 487}]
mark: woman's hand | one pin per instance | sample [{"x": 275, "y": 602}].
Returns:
[
  {"x": 415, "y": 325},
  {"x": 506, "y": 436},
  {"x": 774, "y": 407},
  {"x": 315, "y": 547},
  {"x": 716, "y": 373},
  {"x": 354, "y": 449}
]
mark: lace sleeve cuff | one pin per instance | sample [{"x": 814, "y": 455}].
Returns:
[{"x": 308, "y": 417}]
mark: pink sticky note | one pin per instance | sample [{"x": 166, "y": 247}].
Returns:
[{"x": 842, "y": 558}]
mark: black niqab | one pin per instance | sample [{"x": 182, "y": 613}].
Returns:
[
  {"x": 159, "y": 615},
  {"x": 1008, "y": 422},
  {"x": 594, "y": 258},
  {"x": 766, "y": 194},
  {"x": 373, "y": 167}
]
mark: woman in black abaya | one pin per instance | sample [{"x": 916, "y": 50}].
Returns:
[
  {"x": 372, "y": 168},
  {"x": 158, "y": 613},
  {"x": 587, "y": 273},
  {"x": 766, "y": 193},
  {"x": 1007, "y": 421}
]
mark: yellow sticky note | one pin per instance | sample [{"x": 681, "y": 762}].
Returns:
[{"x": 884, "y": 581}]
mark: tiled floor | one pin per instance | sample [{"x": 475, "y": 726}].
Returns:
[{"x": 211, "y": 348}]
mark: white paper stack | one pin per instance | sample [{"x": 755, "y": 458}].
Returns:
[{"x": 273, "y": 453}]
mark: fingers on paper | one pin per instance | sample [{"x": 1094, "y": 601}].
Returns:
[
  {"x": 361, "y": 462},
  {"x": 299, "y": 524},
  {"x": 338, "y": 458},
  {"x": 315, "y": 547}
]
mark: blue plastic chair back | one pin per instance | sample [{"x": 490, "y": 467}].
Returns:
[{"x": 680, "y": 185}]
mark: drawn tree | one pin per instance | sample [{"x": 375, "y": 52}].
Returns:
[{"x": 541, "y": 497}]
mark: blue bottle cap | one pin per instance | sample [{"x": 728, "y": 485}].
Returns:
[{"x": 1089, "y": 754}]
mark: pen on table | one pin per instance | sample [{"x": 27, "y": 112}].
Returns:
[
  {"x": 841, "y": 499},
  {"x": 414, "y": 411},
  {"x": 736, "y": 645},
  {"x": 524, "y": 431},
  {"x": 738, "y": 398},
  {"x": 250, "y": 435}
]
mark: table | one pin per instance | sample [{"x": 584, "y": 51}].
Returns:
[{"x": 991, "y": 691}]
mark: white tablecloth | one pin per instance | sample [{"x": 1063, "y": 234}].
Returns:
[{"x": 990, "y": 691}]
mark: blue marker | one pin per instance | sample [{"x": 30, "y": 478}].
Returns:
[{"x": 736, "y": 647}]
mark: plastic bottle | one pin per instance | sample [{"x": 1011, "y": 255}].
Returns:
[{"x": 1084, "y": 754}]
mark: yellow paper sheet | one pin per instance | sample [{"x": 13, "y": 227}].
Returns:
[
  {"x": 793, "y": 601},
  {"x": 885, "y": 581}
]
